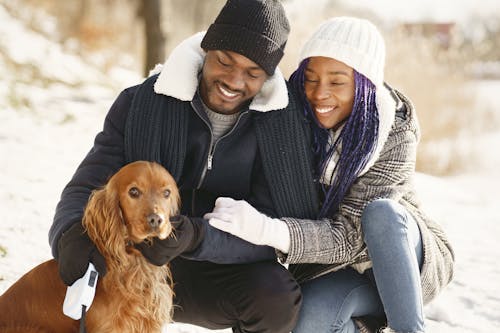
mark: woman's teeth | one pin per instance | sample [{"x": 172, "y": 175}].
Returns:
[{"x": 324, "y": 110}]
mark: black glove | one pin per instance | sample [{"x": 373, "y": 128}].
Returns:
[
  {"x": 75, "y": 251},
  {"x": 187, "y": 234}
]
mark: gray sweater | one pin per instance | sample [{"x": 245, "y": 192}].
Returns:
[{"x": 327, "y": 245}]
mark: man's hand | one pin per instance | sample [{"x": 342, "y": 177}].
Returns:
[
  {"x": 242, "y": 220},
  {"x": 186, "y": 236},
  {"x": 75, "y": 251}
]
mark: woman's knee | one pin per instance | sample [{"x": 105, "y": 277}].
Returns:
[
  {"x": 382, "y": 216},
  {"x": 330, "y": 302}
]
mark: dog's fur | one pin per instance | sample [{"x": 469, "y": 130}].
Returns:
[{"x": 134, "y": 295}]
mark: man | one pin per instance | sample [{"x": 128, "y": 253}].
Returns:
[{"x": 231, "y": 130}]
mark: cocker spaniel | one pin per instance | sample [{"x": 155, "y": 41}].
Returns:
[{"x": 134, "y": 295}]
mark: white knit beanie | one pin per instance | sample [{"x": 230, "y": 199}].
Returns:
[{"x": 353, "y": 41}]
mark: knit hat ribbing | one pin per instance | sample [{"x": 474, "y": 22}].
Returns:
[
  {"x": 353, "y": 41},
  {"x": 257, "y": 29}
]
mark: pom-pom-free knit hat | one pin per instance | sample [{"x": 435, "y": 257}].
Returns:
[
  {"x": 353, "y": 41},
  {"x": 257, "y": 29}
]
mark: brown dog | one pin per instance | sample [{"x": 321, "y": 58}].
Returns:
[{"x": 134, "y": 295}]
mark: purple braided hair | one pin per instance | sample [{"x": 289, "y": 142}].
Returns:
[{"x": 358, "y": 139}]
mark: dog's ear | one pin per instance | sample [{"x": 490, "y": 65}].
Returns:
[
  {"x": 104, "y": 221},
  {"x": 175, "y": 203}
]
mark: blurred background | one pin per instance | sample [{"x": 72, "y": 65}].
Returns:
[{"x": 445, "y": 55}]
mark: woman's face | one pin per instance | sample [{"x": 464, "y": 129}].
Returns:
[{"x": 329, "y": 87}]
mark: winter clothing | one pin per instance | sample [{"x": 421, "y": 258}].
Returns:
[
  {"x": 337, "y": 242},
  {"x": 239, "y": 218},
  {"x": 269, "y": 133},
  {"x": 221, "y": 123},
  {"x": 330, "y": 300},
  {"x": 185, "y": 63},
  {"x": 266, "y": 298},
  {"x": 395, "y": 247},
  {"x": 333, "y": 299},
  {"x": 377, "y": 221},
  {"x": 257, "y": 29},
  {"x": 353, "y": 41},
  {"x": 78, "y": 250},
  {"x": 261, "y": 145},
  {"x": 186, "y": 238},
  {"x": 164, "y": 122}
]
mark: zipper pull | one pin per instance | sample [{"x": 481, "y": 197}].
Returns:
[{"x": 209, "y": 162}]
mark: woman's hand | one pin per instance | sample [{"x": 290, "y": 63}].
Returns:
[{"x": 240, "y": 219}]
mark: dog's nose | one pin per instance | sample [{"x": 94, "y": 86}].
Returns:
[{"x": 154, "y": 220}]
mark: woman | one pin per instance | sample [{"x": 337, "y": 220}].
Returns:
[{"x": 375, "y": 252}]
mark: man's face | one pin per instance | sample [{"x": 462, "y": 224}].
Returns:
[{"x": 229, "y": 80}]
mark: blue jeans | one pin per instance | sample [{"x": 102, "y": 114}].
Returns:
[{"x": 392, "y": 286}]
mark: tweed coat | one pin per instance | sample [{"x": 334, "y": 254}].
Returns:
[{"x": 322, "y": 246}]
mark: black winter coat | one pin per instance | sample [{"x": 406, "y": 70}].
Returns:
[{"x": 265, "y": 159}]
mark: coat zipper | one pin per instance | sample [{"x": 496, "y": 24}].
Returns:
[
  {"x": 209, "y": 159},
  {"x": 211, "y": 150}
]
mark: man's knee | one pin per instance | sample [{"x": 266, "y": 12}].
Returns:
[{"x": 271, "y": 301}]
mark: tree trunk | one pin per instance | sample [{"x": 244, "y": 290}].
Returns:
[{"x": 150, "y": 12}]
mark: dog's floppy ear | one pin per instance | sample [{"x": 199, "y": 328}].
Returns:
[
  {"x": 104, "y": 221},
  {"x": 175, "y": 202}
]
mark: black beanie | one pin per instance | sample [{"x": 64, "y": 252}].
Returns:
[{"x": 257, "y": 29}]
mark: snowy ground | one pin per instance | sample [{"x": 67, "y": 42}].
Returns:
[{"x": 47, "y": 126}]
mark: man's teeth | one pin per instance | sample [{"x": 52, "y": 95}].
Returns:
[
  {"x": 324, "y": 110},
  {"x": 227, "y": 93}
]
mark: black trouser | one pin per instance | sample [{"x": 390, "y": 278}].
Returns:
[{"x": 257, "y": 297}]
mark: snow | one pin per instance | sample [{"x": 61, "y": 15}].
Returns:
[{"x": 52, "y": 103}]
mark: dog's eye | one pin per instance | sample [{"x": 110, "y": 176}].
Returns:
[
  {"x": 166, "y": 193},
  {"x": 134, "y": 192}
]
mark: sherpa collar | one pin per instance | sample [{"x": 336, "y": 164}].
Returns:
[
  {"x": 386, "y": 106},
  {"x": 179, "y": 77}
]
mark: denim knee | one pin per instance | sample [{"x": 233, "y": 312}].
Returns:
[{"x": 382, "y": 216}]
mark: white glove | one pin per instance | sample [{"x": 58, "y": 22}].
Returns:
[{"x": 242, "y": 220}]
